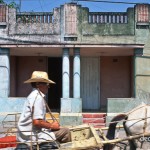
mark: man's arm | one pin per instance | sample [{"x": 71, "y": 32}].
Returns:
[{"x": 43, "y": 124}]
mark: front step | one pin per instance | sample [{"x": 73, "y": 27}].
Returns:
[
  {"x": 98, "y": 120},
  {"x": 49, "y": 118}
]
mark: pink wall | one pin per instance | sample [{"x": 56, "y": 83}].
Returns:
[
  {"x": 21, "y": 70},
  {"x": 115, "y": 78}
]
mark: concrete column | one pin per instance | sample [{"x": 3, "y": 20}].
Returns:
[
  {"x": 71, "y": 108},
  {"x": 139, "y": 66},
  {"x": 76, "y": 73},
  {"x": 4, "y": 72},
  {"x": 65, "y": 74}
]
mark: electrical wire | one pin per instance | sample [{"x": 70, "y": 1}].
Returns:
[
  {"x": 35, "y": 42},
  {"x": 107, "y": 1},
  {"x": 84, "y": 1},
  {"x": 41, "y": 5},
  {"x": 100, "y": 1},
  {"x": 118, "y": 2}
]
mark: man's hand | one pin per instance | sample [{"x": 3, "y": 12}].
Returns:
[
  {"x": 41, "y": 123},
  {"x": 55, "y": 125},
  {"x": 44, "y": 124}
]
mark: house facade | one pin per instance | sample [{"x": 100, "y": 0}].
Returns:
[{"x": 99, "y": 60}]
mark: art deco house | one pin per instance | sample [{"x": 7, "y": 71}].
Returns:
[{"x": 99, "y": 60}]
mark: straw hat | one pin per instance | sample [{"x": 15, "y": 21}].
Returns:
[{"x": 39, "y": 76}]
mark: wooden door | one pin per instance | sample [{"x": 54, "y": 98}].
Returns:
[{"x": 90, "y": 83}]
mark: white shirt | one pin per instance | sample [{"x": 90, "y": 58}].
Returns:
[{"x": 34, "y": 102}]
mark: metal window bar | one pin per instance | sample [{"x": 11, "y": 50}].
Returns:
[
  {"x": 105, "y": 19},
  {"x": 97, "y": 18},
  {"x": 120, "y": 19},
  {"x": 34, "y": 18},
  {"x": 108, "y": 17}
]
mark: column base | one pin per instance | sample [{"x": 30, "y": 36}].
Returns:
[
  {"x": 71, "y": 119},
  {"x": 71, "y": 105},
  {"x": 71, "y": 112}
]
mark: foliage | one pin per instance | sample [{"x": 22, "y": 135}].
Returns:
[
  {"x": 1, "y": 2},
  {"x": 10, "y": 5}
]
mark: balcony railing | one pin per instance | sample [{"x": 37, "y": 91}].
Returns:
[
  {"x": 100, "y": 18},
  {"x": 35, "y": 17}
]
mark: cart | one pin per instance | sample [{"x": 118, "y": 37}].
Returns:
[{"x": 83, "y": 137}]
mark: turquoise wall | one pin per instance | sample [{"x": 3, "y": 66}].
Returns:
[{"x": 10, "y": 106}]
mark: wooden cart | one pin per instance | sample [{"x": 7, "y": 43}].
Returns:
[
  {"x": 86, "y": 137},
  {"x": 83, "y": 137}
]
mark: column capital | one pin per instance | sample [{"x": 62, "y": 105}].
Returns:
[
  {"x": 65, "y": 51},
  {"x": 4, "y": 51},
  {"x": 76, "y": 51},
  {"x": 138, "y": 51}
]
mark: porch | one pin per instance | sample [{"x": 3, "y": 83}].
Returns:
[
  {"x": 91, "y": 56},
  {"x": 96, "y": 84}
]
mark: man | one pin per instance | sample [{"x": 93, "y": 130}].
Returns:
[{"x": 32, "y": 125}]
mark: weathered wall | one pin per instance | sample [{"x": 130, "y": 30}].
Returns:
[
  {"x": 142, "y": 72},
  {"x": 31, "y": 33},
  {"x": 141, "y": 85},
  {"x": 122, "y": 105},
  {"x": 106, "y": 32},
  {"x": 31, "y": 28},
  {"x": 115, "y": 78},
  {"x": 22, "y": 68},
  {"x": 103, "y": 29},
  {"x": 71, "y": 25}
]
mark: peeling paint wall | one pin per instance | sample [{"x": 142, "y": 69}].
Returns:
[
  {"x": 34, "y": 28},
  {"x": 70, "y": 24},
  {"x": 103, "y": 29}
]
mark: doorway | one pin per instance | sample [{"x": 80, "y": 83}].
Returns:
[
  {"x": 55, "y": 90},
  {"x": 90, "y": 84}
]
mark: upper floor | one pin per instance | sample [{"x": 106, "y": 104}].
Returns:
[{"x": 73, "y": 24}]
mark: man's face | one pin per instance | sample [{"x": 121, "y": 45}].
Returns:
[{"x": 43, "y": 87}]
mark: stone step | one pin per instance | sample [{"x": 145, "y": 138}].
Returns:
[
  {"x": 94, "y": 120},
  {"x": 55, "y": 114},
  {"x": 94, "y": 115},
  {"x": 98, "y": 120},
  {"x": 49, "y": 118}
]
